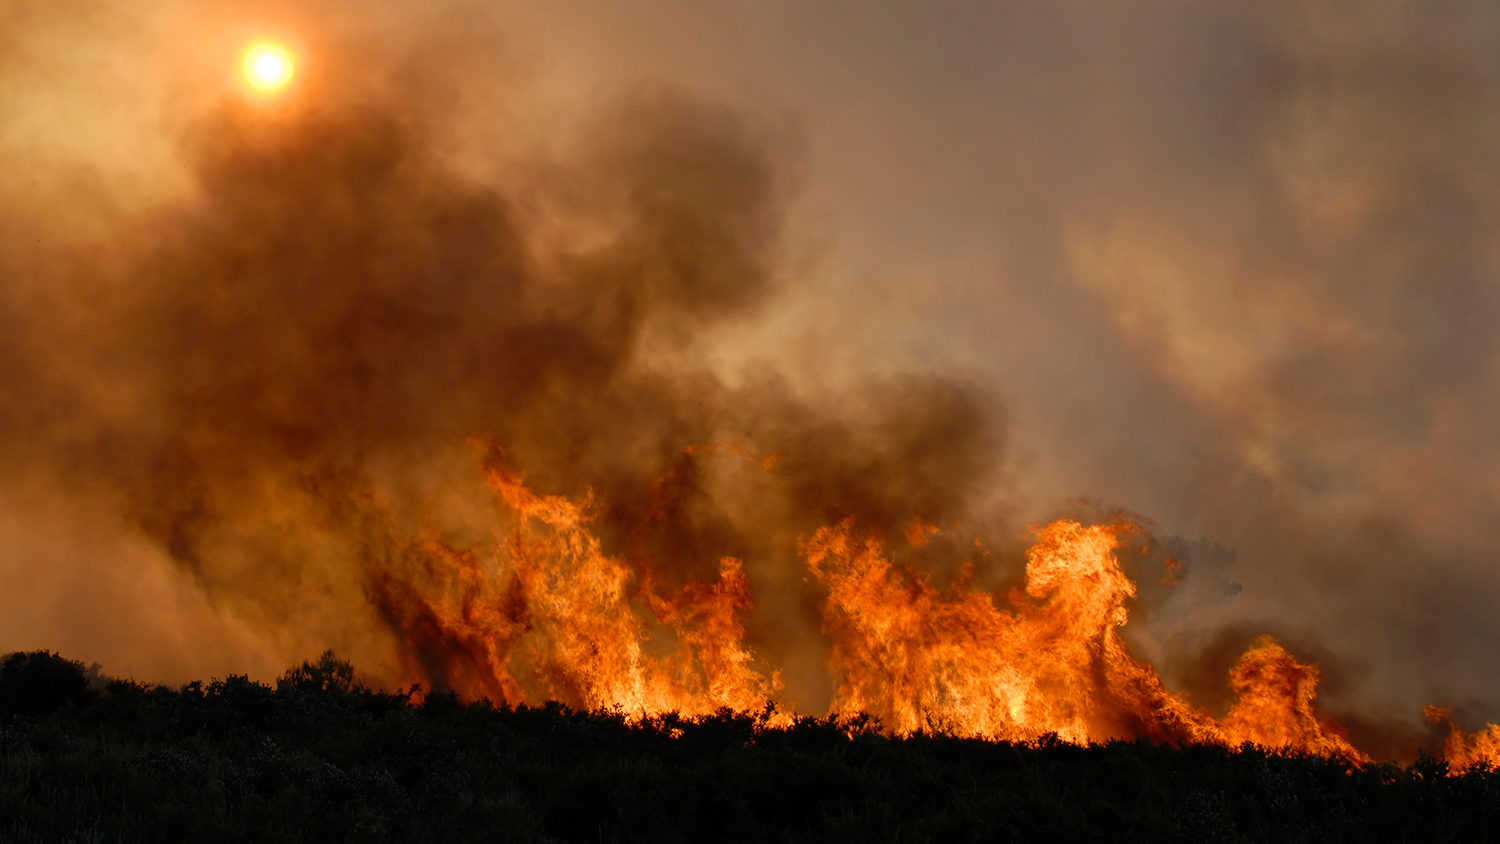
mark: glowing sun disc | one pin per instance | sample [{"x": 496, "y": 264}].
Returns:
[{"x": 268, "y": 67}]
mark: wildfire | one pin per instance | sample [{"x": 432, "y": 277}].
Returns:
[
  {"x": 544, "y": 614},
  {"x": 1054, "y": 663},
  {"x": 1464, "y": 750}
]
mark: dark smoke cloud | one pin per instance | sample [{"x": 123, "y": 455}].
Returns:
[{"x": 295, "y": 371}]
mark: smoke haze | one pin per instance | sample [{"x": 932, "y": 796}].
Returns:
[{"x": 741, "y": 271}]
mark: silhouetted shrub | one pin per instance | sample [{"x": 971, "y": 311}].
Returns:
[
  {"x": 41, "y": 682},
  {"x": 322, "y": 758},
  {"x": 328, "y": 675}
]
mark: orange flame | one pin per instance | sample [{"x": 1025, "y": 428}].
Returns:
[
  {"x": 545, "y": 614},
  {"x": 1275, "y": 705},
  {"x": 1480, "y": 749},
  {"x": 922, "y": 660}
]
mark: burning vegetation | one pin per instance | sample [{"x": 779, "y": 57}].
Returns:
[{"x": 545, "y": 615}]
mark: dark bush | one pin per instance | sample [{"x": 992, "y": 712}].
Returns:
[
  {"x": 41, "y": 682},
  {"x": 322, "y": 758}
]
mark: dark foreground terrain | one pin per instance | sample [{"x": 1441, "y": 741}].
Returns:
[{"x": 319, "y": 758}]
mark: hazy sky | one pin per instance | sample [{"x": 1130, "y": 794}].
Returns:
[{"x": 1227, "y": 265}]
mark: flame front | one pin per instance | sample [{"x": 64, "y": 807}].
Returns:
[
  {"x": 1055, "y": 663},
  {"x": 1467, "y": 750},
  {"x": 544, "y": 614}
]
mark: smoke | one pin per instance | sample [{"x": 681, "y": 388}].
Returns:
[
  {"x": 1229, "y": 264},
  {"x": 301, "y": 366}
]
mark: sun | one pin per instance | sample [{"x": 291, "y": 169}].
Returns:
[{"x": 268, "y": 67}]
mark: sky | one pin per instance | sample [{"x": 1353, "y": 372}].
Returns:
[{"x": 1225, "y": 266}]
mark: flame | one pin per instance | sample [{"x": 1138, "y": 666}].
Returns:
[
  {"x": 1055, "y": 663},
  {"x": 544, "y": 614},
  {"x": 1275, "y": 704},
  {"x": 1480, "y": 749}
]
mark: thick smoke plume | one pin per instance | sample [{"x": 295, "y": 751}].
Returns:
[{"x": 303, "y": 368}]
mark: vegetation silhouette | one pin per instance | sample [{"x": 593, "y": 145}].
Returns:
[{"x": 321, "y": 757}]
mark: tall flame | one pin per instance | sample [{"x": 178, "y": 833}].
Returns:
[
  {"x": 1465, "y": 750},
  {"x": 1055, "y": 663},
  {"x": 544, "y": 614}
]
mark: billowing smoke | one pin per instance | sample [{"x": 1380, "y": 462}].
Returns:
[
  {"x": 303, "y": 366},
  {"x": 1229, "y": 265}
]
